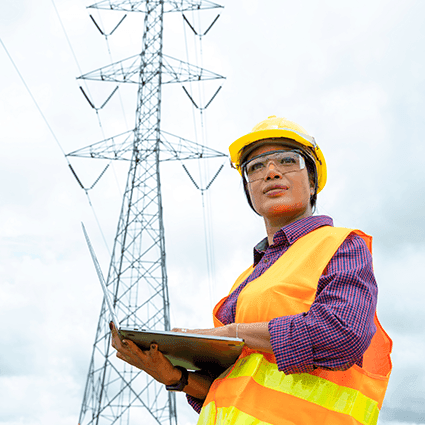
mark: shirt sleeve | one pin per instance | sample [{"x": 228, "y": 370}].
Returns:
[{"x": 338, "y": 328}]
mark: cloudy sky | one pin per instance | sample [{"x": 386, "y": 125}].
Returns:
[{"x": 351, "y": 73}]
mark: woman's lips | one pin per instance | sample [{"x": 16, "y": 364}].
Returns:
[{"x": 275, "y": 189}]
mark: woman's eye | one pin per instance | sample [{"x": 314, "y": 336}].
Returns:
[
  {"x": 255, "y": 167},
  {"x": 287, "y": 160}
]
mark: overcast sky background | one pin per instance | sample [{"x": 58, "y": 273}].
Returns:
[{"x": 351, "y": 73}]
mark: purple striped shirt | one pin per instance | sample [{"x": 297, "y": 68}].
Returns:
[{"x": 338, "y": 328}]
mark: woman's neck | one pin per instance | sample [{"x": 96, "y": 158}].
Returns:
[{"x": 274, "y": 224}]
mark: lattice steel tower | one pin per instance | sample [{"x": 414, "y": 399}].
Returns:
[{"x": 115, "y": 392}]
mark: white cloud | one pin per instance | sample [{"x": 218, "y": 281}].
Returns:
[{"x": 352, "y": 74}]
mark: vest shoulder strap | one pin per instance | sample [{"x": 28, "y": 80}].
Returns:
[{"x": 289, "y": 286}]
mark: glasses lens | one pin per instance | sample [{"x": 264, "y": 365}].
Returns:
[{"x": 284, "y": 161}]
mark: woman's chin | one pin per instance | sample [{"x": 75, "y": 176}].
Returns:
[{"x": 283, "y": 208}]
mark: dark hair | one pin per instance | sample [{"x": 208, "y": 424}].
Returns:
[{"x": 312, "y": 176}]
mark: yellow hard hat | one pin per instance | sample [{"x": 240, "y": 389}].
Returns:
[{"x": 273, "y": 128}]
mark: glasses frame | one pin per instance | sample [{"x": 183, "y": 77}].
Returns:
[{"x": 297, "y": 151}]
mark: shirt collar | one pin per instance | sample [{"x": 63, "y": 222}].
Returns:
[{"x": 289, "y": 234}]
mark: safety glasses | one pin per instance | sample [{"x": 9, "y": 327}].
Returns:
[{"x": 284, "y": 162}]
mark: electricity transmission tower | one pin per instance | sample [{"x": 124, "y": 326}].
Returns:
[{"x": 115, "y": 392}]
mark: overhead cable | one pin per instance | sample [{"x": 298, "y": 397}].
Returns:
[{"x": 33, "y": 98}]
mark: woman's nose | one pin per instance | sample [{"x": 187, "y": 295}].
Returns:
[{"x": 272, "y": 172}]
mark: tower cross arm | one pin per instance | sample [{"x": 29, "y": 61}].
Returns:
[
  {"x": 124, "y": 71},
  {"x": 177, "y": 71},
  {"x": 118, "y": 147},
  {"x": 173, "y": 71},
  {"x": 169, "y": 5},
  {"x": 121, "y": 147},
  {"x": 176, "y": 148}
]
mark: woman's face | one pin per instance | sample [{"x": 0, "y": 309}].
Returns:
[{"x": 277, "y": 195}]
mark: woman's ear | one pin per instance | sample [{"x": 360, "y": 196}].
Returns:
[{"x": 312, "y": 186}]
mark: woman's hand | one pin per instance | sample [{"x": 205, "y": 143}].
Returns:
[{"x": 151, "y": 361}]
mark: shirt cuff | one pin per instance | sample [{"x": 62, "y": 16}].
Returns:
[
  {"x": 291, "y": 344},
  {"x": 196, "y": 403}
]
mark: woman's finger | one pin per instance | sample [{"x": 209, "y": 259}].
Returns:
[
  {"x": 113, "y": 342},
  {"x": 116, "y": 342},
  {"x": 182, "y": 330}
]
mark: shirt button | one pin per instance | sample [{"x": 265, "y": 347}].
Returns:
[{"x": 265, "y": 260}]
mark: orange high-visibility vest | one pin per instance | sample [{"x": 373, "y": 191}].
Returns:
[{"x": 254, "y": 392}]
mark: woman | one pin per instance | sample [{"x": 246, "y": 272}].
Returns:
[{"x": 315, "y": 352}]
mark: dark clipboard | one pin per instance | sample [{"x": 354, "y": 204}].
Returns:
[{"x": 192, "y": 351}]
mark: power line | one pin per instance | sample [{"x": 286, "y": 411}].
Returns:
[
  {"x": 110, "y": 55},
  {"x": 100, "y": 125},
  {"x": 96, "y": 109},
  {"x": 33, "y": 98},
  {"x": 202, "y": 170},
  {"x": 54, "y": 136},
  {"x": 77, "y": 63},
  {"x": 67, "y": 38}
]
